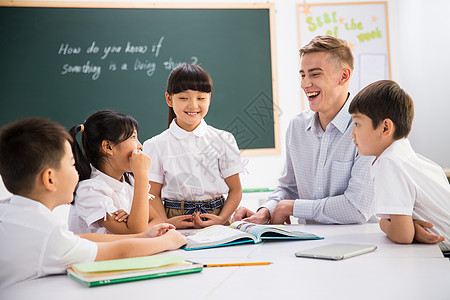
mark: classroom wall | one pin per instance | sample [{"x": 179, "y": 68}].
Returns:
[
  {"x": 423, "y": 52},
  {"x": 419, "y": 49}
]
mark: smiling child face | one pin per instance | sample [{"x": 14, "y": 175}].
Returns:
[{"x": 190, "y": 107}]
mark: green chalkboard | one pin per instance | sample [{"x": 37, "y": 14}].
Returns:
[{"x": 65, "y": 63}]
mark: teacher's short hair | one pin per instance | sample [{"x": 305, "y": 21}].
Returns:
[{"x": 338, "y": 49}]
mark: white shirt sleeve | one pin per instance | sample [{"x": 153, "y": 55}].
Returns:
[
  {"x": 92, "y": 202},
  {"x": 64, "y": 249},
  {"x": 230, "y": 163},
  {"x": 394, "y": 193},
  {"x": 156, "y": 171}
]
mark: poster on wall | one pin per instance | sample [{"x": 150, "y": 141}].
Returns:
[{"x": 363, "y": 25}]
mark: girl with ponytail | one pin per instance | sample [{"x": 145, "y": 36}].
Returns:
[{"x": 112, "y": 195}]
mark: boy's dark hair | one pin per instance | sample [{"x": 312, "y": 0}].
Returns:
[
  {"x": 27, "y": 147},
  {"x": 187, "y": 77},
  {"x": 103, "y": 125},
  {"x": 338, "y": 49},
  {"x": 385, "y": 99}
]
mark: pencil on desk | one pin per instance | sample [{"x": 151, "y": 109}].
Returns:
[{"x": 237, "y": 264}]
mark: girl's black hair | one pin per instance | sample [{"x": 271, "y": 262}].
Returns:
[
  {"x": 187, "y": 77},
  {"x": 103, "y": 125}
]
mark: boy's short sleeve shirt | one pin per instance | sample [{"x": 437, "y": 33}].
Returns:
[
  {"x": 407, "y": 183},
  {"x": 192, "y": 166},
  {"x": 36, "y": 243},
  {"x": 394, "y": 192},
  {"x": 96, "y": 197}
]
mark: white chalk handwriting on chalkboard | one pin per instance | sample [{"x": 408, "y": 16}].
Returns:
[
  {"x": 128, "y": 56},
  {"x": 86, "y": 68}
]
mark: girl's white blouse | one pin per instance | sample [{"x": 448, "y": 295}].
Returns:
[
  {"x": 192, "y": 166},
  {"x": 96, "y": 197}
]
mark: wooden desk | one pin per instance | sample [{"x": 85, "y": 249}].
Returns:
[{"x": 393, "y": 271}]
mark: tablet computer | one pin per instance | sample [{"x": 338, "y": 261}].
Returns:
[{"x": 336, "y": 251}]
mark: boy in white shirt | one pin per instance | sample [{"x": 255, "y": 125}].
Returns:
[
  {"x": 37, "y": 167},
  {"x": 407, "y": 185}
]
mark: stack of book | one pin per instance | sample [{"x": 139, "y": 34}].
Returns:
[{"x": 131, "y": 269}]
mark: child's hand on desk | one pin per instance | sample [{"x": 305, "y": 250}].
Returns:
[
  {"x": 422, "y": 235},
  {"x": 174, "y": 239},
  {"x": 183, "y": 221},
  {"x": 121, "y": 215},
  {"x": 205, "y": 220},
  {"x": 158, "y": 229}
]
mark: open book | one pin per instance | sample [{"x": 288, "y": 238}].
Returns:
[
  {"x": 241, "y": 232},
  {"x": 130, "y": 269}
]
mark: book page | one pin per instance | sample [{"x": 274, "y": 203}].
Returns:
[
  {"x": 134, "y": 273},
  {"x": 270, "y": 231},
  {"x": 254, "y": 229},
  {"x": 214, "y": 235},
  {"x": 134, "y": 263}
]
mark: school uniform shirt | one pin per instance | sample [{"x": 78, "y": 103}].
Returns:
[
  {"x": 323, "y": 172},
  {"x": 192, "y": 166},
  {"x": 96, "y": 197},
  {"x": 36, "y": 243},
  {"x": 407, "y": 183}
]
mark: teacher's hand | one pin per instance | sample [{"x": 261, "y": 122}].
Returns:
[
  {"x": 244, "y": 214},
  {"x": 282, "y": 212}
]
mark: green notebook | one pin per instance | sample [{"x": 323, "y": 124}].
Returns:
[{"x": 131, "y": 269}]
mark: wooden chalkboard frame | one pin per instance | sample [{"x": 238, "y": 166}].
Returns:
[{"x": 137, "y": 5}]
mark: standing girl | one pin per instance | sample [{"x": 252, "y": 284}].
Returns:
[
  {"x": 112, "y": 195},
  {"x": 193, "y": 164}
]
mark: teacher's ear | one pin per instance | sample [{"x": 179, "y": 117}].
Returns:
[{"x": 345, "y": 76}]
